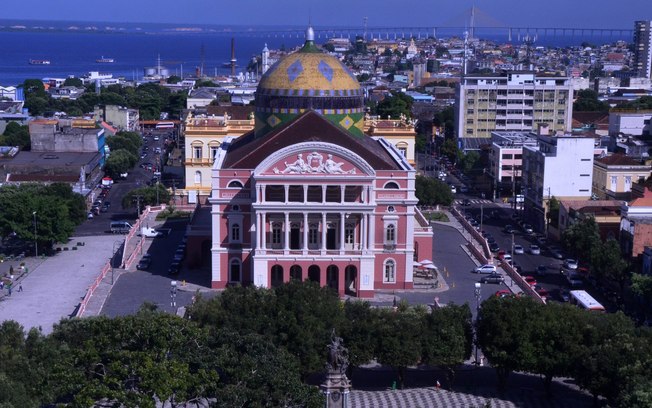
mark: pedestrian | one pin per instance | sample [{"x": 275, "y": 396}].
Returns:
[
  {"x": 9, "y": 289},
  {"x": 437, "y": 384},
  {"x": 20, "y": 287}
]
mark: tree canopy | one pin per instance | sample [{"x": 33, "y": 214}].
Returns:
[
  {"x": 587, "y": 101},
  {"x": 16, "y": 135},
  {"x": 430, "y": 191}
]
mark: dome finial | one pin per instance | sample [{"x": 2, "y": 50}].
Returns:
[{"x": 310, "y": 34}]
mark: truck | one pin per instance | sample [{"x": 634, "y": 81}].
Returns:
[{"x": 148, "y": 232}]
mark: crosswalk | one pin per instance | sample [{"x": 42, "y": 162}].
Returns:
[{"x": 473, "y": 201}]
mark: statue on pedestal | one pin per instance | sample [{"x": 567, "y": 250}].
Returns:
[{"x": 336, "y": 387}]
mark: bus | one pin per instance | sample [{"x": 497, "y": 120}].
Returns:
[
  {"x": 583, "y": 300},
  {"x": 165, "y": 125}
]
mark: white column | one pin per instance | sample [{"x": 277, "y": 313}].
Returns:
[
  {"x": 263, "y": 230},
  {"x": 262, "y": 193},
  {"x": 305, "y": 231},
  {"x": 323, "y": 231},
  {"x": 342, "y": 189},
  {"x": 342, "y": 227},
  {"x": 287, "y": 193},
  {"x": 323, "y": 194},
  {"x": 258, "y": 229},
  {"x": 286, "y": 243},
  {"x": 363, "y": 232},
  {"x": 305, "y": 193}
]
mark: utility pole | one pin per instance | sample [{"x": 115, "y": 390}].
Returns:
[
  {"x": 35, "y": 236},
  {"x": 138, "y": 198}
]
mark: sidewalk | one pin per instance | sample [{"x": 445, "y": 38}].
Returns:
[{"x": 54, "y": 288}]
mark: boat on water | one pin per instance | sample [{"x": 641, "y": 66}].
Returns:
[
  {"x": 39, "y": 62},
  {"x": 103, "y": 60}
]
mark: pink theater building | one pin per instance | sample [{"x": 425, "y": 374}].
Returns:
[{"x": 305, "y": 197}]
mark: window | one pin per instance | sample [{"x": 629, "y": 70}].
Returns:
[
  {"x": 234, "y": 270},
  {"x": 235, "y": 233},
  {"x": 214, "y": 150},
  {"x": 403, "y": 150},
  {"x": 390, "y": 234},
  {"x": 348, "y": 233},
  {"x": 391, "y": 209},
  {"x": 391, "y": 185},
  {"x": 196, "y": 152},
  {"x": 235, "y": 184},
  {"x": 276, "y": 233},
  {"x": 198, "y": 177},
  {"x": 313, "y": 234},
  {"x": 507, "y": 156},
  {"x": 390, "y": 272}
]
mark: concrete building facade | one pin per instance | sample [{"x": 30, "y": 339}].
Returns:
[
  {"x": 643, "y": 48},
  {"x": 511, "y": 101},
  {"x": 614, "y": 176}
]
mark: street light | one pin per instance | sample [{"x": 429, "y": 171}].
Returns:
[
  {"x": 478, "y": 287},
  {"x": 35, "y": 236},
  {"x": 173, "y": 293}
]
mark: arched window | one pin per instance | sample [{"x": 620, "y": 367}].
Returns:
[
  {"x": 276, "y": 232},
  {"x": 235, "y": 233},
  {"x": 235, "y": 267},
  {"x": 391, "y": 185},
  {"x": 295, "y": 272},
  {"x": 277, "y": 276},
  {"x": 390, "y": 234},
  {"x": 390, "y": 271},
  {"x": 391, "y": 209},
  {"x": 198, "y": 177},
  {"x": 235, "y": 184}
]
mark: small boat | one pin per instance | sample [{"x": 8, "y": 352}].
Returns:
[
  {"x": 103, "y": 60},
  {"x": 39, "y": 62}
]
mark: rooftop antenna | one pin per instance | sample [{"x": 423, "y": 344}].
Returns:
[
  {"x": 466, "y": 46},
  {"x": 364, "y": 33},
  {"x": 472, "y": 24},
  {"x": 202, "y": 55}
]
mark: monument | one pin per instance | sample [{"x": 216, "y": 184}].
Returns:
[{"x": 336, "y": 386}]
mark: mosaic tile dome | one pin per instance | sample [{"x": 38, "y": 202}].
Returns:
[{"x": 309, "y": 80}]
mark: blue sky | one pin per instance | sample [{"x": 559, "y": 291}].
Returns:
[{"x": 548, "y": 13}]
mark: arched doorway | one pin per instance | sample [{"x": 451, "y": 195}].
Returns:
[
  {"x": 351, "y": 280},
  {"x": 313, "y": 273},
  {"x": 332, "y": 277},
  {"x": 295, "y": 273},
  {"x": 277, "y": 276}
]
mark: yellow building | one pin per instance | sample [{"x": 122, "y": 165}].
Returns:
[
  {"x": 399, "y": 132},
  {"x": 203, "y": 136},
  {"x": 613, "y": 176}
]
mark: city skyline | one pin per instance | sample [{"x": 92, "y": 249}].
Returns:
[{"x": 557, "y": 13}]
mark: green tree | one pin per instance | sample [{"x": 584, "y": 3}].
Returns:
[
  {"x": 581, "y": 237},
  {"x": 587, "y": 101},
  {"x": 430, "y": 191},
  {"x": 73, "y": 82},
  {"x": 398, "y": 342},
  {"x": 173, "y": 79},
  {"x": 16, "y": 135},
  {"x": 504, "y": 333},
  {"x": 111, "y": 98},
  {"x": 36, "y": 105},
  {"x": 154, "y": 195},
  {"x": 449, "y": 149},
  {"x": 445, "y": 119},
  {"x": 395, "y": 105},
  {"x": 608, "y": 264},
  {"x": 358, "y": 331},
  {"x": 120, "y": 161},
  {"x": 553, "y": 212},
  {"x": 34, "y": 87},
  {"x": 468, "y": 160},
  {"x": 448, "y": 338}
]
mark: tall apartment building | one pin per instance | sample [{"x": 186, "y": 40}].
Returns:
[
  {"x": 511, "y": 101},
  {"x": 643, "y": 48}
]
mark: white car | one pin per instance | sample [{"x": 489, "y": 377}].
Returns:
[
  {"x": 518, "y": 249},
  {"x": 453, "y": 190},
  {"x": 535, "y": 250},
  {"x": 485, "y": 269},
  {"x": 570, "y": 263}
]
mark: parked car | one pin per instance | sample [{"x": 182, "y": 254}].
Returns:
[
  {"x": 570, "y": 263},
  {"x": 509, "y": 229},
  {"x": 517, "y": 268},
  {"x": 541, "y": 291},
  {"x": 493, "y": 278},
  {"x": 503, "y": 293},
  {"x": 493, "y": 247},
  {"x": 174, "y": 268},
  {"x": 466, "y": 202},
  {"x": 535, "y": 250},
  {"x": 507, "y": 258},
  {"x": 541, "y": 270},
  {"x": 453, "y": 190},
  {"x": 518, "y": 249},
  {"x": 485, "y": 269},
  {"x": 144, "y": 264},
  {"x": 530, "y": 280},
  {"x": 464, "y": 189}
]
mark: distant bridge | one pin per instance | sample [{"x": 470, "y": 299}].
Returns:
[{"x": 394, "y": 33}]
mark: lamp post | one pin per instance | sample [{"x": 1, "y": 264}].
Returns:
[
  {"x": 477, "y": 291},
  {"x": 173, "y": 293},
  {"x": 35, "y": 236}
]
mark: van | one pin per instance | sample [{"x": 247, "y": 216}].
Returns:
[{"x": 120, "y": 227}]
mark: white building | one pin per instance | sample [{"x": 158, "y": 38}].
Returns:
[
  {"x": 643, "y": 48},
  {"x": 506, "y": 161},
  {"x": 560, "y": 167},
  {"x": 628, "y": 122}
]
